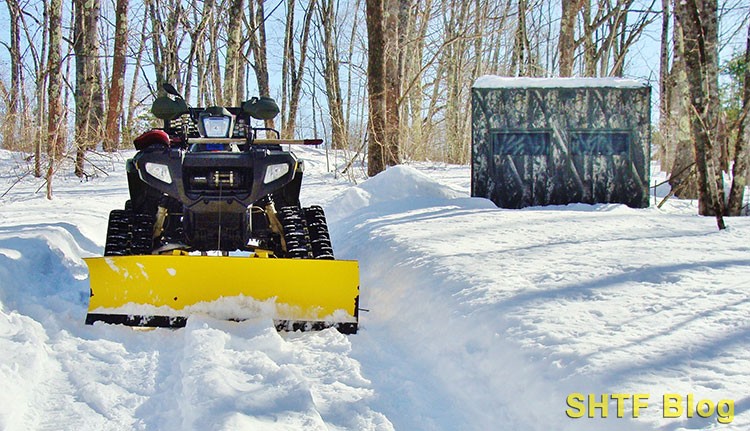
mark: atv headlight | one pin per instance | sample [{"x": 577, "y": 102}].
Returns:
[
  {"x": 216, "y": 127},
  {"x": 159, "y": 171},
  {"x": 274, "y": 172}
]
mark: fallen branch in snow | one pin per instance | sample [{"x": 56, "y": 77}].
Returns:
[
  {"x": 672, "y": 191},
  {"x": 18, "y": 180},
  {"x": 94, "y": 165}
]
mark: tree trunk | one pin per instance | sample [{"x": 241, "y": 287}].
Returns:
[
  {"x": 11, "y": 127},
  {"x": 88, "y": 93},
  {"x": 130, "y": 133},
  {"x": 376, "y": 84},
  {"x": 331, "y": 74},
  {"x": 234, "y": 65},
  {"x": 739, "y": 170},
  {"x": 117, "y": 85},
  {"x": 164, "y": 41},
  {"x": 566, "y": 43},
  {"x": 295, "y": 72},
  {"x": 682, "y": 180},
  {"x": 519, "y": 59},
  {"x": 665, "y": 88},
  {"x": 287, "y": 64},
  {"x": 55, "y": 120},
  {"x": 214, "y": 70},
  {"x": 699, "y": 22},
  {"x": 589, "y": 46},
  {"x": 260, "y": 52},
  {"x": 42, "y": 78},
  {"x": 392, "y": 82}
]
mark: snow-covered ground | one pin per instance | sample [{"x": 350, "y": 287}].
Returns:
[{"x": 479, "y": 318}]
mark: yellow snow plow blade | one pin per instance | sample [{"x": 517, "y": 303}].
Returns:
[{"x": 163, "y": 290}]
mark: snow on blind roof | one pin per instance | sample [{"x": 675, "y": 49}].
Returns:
[{"x": 491, "y": 81}]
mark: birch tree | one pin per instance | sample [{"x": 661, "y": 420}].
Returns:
[
  {"x": 56, "y": 142},
  {"x": 88, "y": 89},
  {"x": 14, "y": 92}
]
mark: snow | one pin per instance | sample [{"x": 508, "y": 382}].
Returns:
[
  {"x": 492, "y": 81},
  {"x": 479, "y": 317}
]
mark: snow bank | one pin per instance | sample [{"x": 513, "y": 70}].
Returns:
[
  {"x": 397, "y": 183},
  {"x": 394, "y": 190}
]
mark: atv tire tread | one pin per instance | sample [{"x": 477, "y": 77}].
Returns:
[
  {"x": 128, "y": 233},
  {"x": 118, "y": 233},
  {"x": 317, "y": 228},
  {"x": 306, "y": 232},
  {"x": 295, "y": 232}
]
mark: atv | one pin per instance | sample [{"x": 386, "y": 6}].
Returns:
[{"x": 214, "y": 225}]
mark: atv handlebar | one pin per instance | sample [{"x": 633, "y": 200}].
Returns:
[{"x": 190, "y": 127}]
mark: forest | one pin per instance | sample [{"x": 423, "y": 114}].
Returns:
[{"x": 383, "y": 81}]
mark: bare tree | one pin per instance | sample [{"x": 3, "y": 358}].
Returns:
[
  {"x": 413, "y": 28},
  {"x": 42, "y": 77},
  {"x": 165, "y": 39},
  {"x": 12, "y": 110},
  {"x": 56, "y": 143},
  {"x": 88, "y": 90},
  {"x": 327, "y": 12},
  {"x": 292, "y": 73},
  {"x": 699, "y": 21},
  {"x": 233, "y": 70},
  {"x": 741, "y": 145},
  {"x": 393, "y": 72},
  {"x": 197, "y": 54},
  {"x": 521, "y": 51},
  {"x": 665, "y": 87},
  {"x": 376, "y": 63},
  {"x": 259, "y": 49},
  {"x": 683, "y": 180},
  {"x": 134, "y": 84},
  {"x": 567, "y": 40},
  {"x": 459, "y": 75},
  {"x": 117, "y": 84}
]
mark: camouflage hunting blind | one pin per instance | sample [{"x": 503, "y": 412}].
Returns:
[{"x": 555, "y": 141}]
